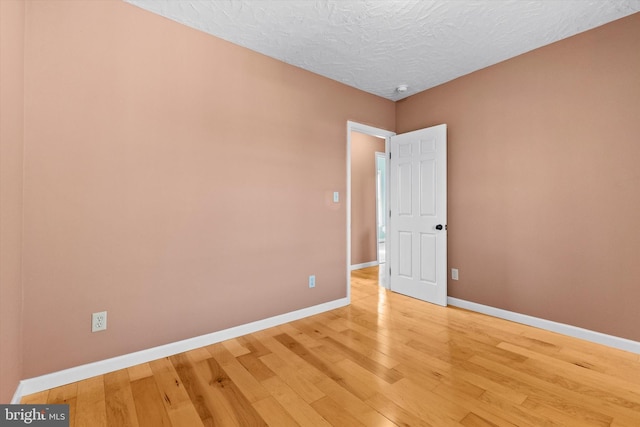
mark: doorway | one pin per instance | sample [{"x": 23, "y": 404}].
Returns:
[
  {"x": 416, "y": 234},
  {"x": 363, "y": 242}
]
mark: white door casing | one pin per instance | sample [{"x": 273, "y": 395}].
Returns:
[
  {"x": 380, "y": 133},
  {"x": 381, "y": 206},
  {"x": 417, "y": 235}
]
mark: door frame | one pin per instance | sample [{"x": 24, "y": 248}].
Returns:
[
  {"x": 384, "y": 156},
  {"x": 380, "y": 133}
]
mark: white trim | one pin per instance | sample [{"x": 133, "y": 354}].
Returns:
[
  {"x": 384, "y": 158},
  {"x": 369, "y": 130},
  {"x": 380, "y": 133},
  {"x": 364, "y": 265},
  {"x": 561, "y": 328},
  {"x": 78, "y": 373},
  {"x": 17, "y": 396}
]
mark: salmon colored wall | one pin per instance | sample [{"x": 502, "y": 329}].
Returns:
[
  {"x": 182, "y": 183},
  {"x": 544, "y": 179},
  {"x": 12, "y": 13},
  {"x": 363, "y": 197}
]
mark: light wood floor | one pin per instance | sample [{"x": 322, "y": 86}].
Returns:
[{"x": 386, "y": 360}]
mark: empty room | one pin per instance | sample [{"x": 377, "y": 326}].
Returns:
[{"x": 378, "y": 213}]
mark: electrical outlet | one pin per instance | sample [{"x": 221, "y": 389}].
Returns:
[
  {"x": 312, "y": 281},
  {"x": 99, "y": 321},
  {"x": 454, "y": 274}
]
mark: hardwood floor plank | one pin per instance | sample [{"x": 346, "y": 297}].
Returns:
[
  {"x": 356, "y": 342},
  {"x": 235, "y": 347},
  {"x": 224, "y": 397},
  {"x": 336, "y": 416},
  {"x": 349, "y": 378},
  {"x": 250, "y": 386},
  {"x": 175, "y": 398},
  {"x": 307, "y": 340},
  {"x": 473, "y": 420},
  {"x": 358, "y": 380},
  {"x": 138, "y": 372},
  {"x": 314, "y": 327},
  {"x": 353, "y": 405},
  {"x": 168, "y": 383},
  {"x": 552, "y": 394},
  {"x": 299, "y": 409},
  {"x": 617, "y": 401},
  {"x": 119, "y": 401},
  {"x": 289, "y": 358},
  {"x": 492, "y": 331},
  {"x": 90, "y": 403},
  {"x": 618, "y": 367},
  {"x": 623, "y": 423},
  {"x": 273, "y": 413},
  {"x": 254, "y": 345},
  {"x": 425, "y": 404},
  {"x": 62, "y": 394},
  {"x": 255, "y": 366},
  {"x": 294, "y": 378},
  {"x": 199, "y": 354},
  {"x": 460, "y": 387},
  {"x": 396, "y": 413},
  {"x": 390, "y": 375},
  {"x": 487, "y": 413},
  {"x": 185, "y": 369},
  {"x": 521, "y": 415},
  {"x": 590, "y": 379},
  {"x": 456, "y": 390},
  {"x": 328, "y": 354},
  {"x": 67, "y": 394},
  {"x": 305, "y": 354},
  {"x": 36, "y": 398},
  {"x": 565, "y": 418},
  {"x": 148, "y": 403},
  {"x": 422, "y": 373}
]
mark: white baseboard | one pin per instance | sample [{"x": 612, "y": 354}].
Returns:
[
  {"x": 78, "y": 373},
  {"x": 561, "y": 328},
  {"x": 18, "y": 394},
  {"x": 364, "y": 265}
]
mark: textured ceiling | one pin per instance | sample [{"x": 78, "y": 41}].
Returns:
[{"x": 376, "y": 45}]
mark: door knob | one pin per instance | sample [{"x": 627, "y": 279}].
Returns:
[{"x": 439, "y": 227}]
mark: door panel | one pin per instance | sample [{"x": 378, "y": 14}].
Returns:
[
  {"x": 418, "y": 203},
  {"x": 404, "y": 254},
  {"x": 404, "y": 189},
  {"x": 428, "y": 193},
  {"x": 428, "y": 260}
]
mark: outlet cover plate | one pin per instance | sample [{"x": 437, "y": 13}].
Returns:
[{"x": 99, "y": 321}]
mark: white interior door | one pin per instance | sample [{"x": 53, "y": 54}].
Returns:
[{"x": 418, "y": 221}]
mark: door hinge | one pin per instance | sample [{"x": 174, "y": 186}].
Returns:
[
  {"x": 389, "y": 213},
  {"x": 389, "y": 155}
]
